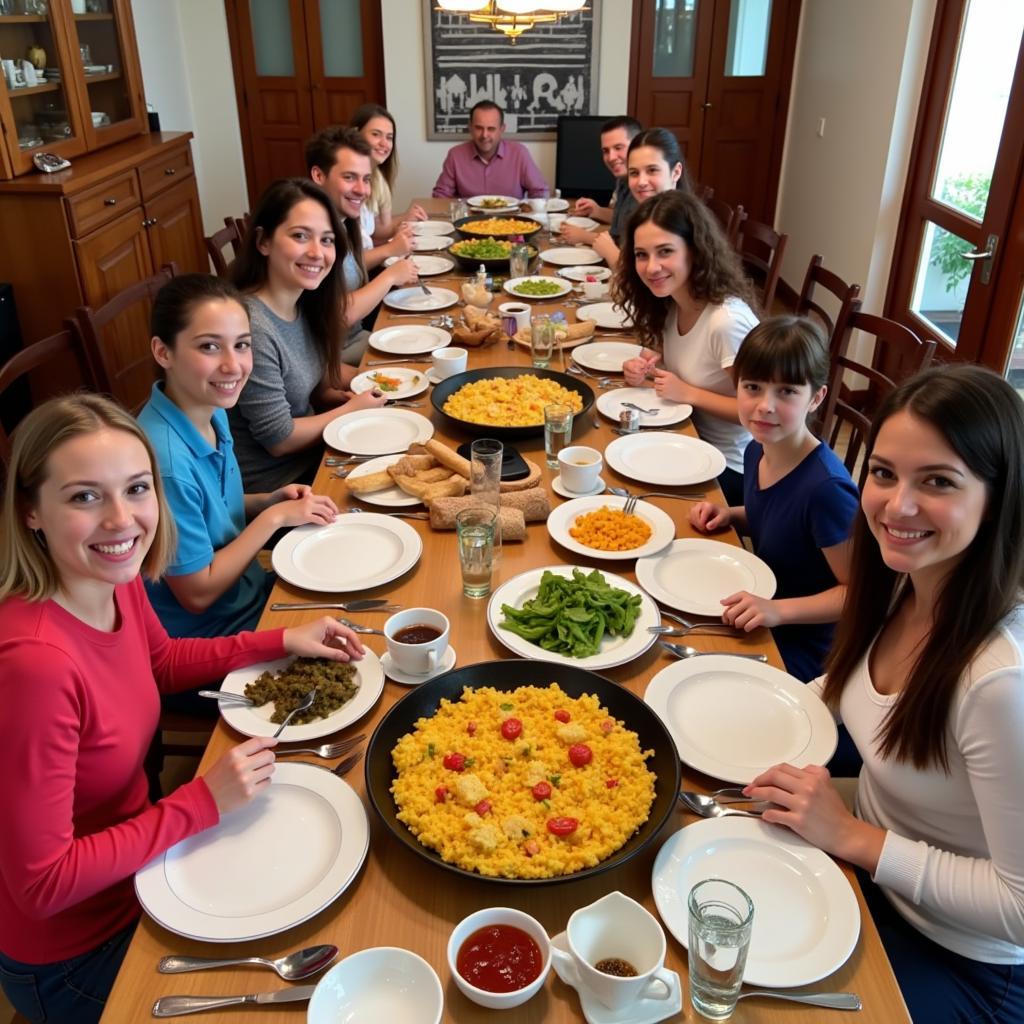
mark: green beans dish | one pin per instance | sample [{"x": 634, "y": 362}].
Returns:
[
  {"x": 537, "y": 288},
  {"x": 336, "y": 683}
]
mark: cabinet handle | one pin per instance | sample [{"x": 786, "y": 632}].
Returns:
[
  {"x": 110, "y": 202},
  {"x": 169, "y": 171},
  {"x": 149, "y": 222}
]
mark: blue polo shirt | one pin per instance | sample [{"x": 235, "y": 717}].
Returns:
[{"x": 204, "y": 491}]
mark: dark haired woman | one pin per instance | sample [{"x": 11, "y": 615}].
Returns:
[
  {"x": 928, "y": 676},
  {"x": 213, "y": 585},
  {"x": 291, "y": 275},
  {"x": 682, "y": 284}
]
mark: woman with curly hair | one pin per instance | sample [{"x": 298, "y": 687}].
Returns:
[{"x": 683, "y": 286}]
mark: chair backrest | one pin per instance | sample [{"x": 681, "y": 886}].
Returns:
[
  {"x": 703, "y": 192},
  {"x": 807, "y": 304},
  {"x": 227, "y": 235},
  {"x": 118, "y": 332},
  {"x": 57, "y": 352},
  {"x": 242, "y": 224},
  {"x": 729, "y": 217},
  {"x": 761, "y": 248},
  {"x": 847, "y": 436}
]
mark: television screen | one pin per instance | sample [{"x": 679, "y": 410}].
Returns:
[{"x": 579, "y": 169}]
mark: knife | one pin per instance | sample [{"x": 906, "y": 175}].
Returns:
[{"x": 175, "y": 1006}]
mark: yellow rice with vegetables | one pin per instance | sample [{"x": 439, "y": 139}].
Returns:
[
  {"x": 529, "y": 783},
  {"x": 510, "y": 401}
]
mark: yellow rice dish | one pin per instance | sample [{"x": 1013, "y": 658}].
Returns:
[
  {"x": 610, "y": 529},
  {"x": 500, "y": 226},
  {"x": 528, "y": 783},
  {"x": 509, "y": 401}
]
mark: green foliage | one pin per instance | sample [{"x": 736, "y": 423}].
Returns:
[{"x": 969, "y": 194}]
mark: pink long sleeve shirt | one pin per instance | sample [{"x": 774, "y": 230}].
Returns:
[
  {"x": 510, "y": 172},
  {"x": 78, "y": 709}
]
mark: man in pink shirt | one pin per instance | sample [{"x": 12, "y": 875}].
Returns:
[{"x": 487, "y": 165}]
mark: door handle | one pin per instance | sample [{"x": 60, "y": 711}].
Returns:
[
  {"x": 972, "y": 256},
  {"x": 986, "y": 255},
  {"x": 706, "y": 105}
]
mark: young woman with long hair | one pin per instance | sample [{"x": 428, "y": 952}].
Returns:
[
  {"x": 683, "y": 286},
  {"x": 290, "y": 272},
  {"x": 927, "y": 673}
]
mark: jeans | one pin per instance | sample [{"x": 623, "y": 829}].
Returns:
[{"x": 69, "y": 991}]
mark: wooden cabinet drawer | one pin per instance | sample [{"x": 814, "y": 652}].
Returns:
[
  {"x": 156, "y": 175},
  {"x": 96, "y": 206}
]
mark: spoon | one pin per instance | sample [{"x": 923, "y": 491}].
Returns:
[
  {"x": 832, "y": 1000},
  {"x": 646, "y": 412},
  {"x": 307, "y": 703},
  {"x": 709, "y": 807},
  {"x": 303, "y": 963},
  {"x": 683, "y": 651}
]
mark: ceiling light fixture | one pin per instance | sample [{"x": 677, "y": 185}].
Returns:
[{"x": 512, "y": 17}]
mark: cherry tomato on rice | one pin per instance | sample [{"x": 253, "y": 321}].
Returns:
[
  {"x": 580, "y": 754},
  {"x": 511, "y": 728},
  {"x": 562, "y": 715},
  {"x": 542, "y": 791},
  {"x": 455, "y": 761},
  {"x": 562, "y": 826}
]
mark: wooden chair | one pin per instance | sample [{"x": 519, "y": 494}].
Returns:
[
  {"x": 215, "y": 243},
  {"x": 818, "y": 276},
  {"x": 703, "y": 192},
  {"x": 730, "y": 218},
  {"x": 59, "y": 351},
  {"x": 118, "y": 332},
  {"x": 761, "y": 248}
]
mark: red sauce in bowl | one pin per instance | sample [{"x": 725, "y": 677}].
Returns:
[{"x": 499, "y": 958}]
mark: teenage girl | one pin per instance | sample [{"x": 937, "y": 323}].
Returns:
[
  {"x": 213, "y": 585},
  {"x": 683, "y": 286},
  {"x": 290, "y": 273},
  {"x": 927, "y": 673},
  {"x": 798, "y": 499}
]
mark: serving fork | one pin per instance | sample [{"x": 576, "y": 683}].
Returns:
[{"x": 328, "y": 750}]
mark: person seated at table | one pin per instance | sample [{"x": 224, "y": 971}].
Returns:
[
  {"x": 377, "y": 126},
  {"x": 487, "y": 165},
  {"x": 616, "y": 135},
  {"x": 798, "y": 498},
  {"x": 295, "y": 294},
  {"x": 212, "y": 585},
  {"x": 83, "y": 661},
  {"x": 339, "y": 161},
  {"x": 927, "y": 673},
  {"x": 682, "y": 284}
]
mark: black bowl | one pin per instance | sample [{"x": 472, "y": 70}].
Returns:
[
  {"x": 450, "y": 385},
  {"x": 460, "y": 226},
  {"x": 507, "y": 675},
  {"x": 494, "y": 263}
]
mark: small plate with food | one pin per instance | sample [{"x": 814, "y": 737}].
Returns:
[
  {"x": 393, "y": 381},
  {"x": 537, "y": 287},
  {"x": 494, "y": 204},
  {"x": 581, "y": 274},
  {"x": 598, "y": 527},
  {"x": 426, "y": 265}
]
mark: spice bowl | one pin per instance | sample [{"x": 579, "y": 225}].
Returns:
[{"x": 502, "y": 929}]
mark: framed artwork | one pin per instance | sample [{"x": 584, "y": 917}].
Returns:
[{"x": 549, "y": 72}]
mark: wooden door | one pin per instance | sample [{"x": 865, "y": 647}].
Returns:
[
  {"x": 733, "y": 95},
  {"x": 175, "y": 225}
]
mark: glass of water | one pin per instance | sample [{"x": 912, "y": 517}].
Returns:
[
  {"x": 720, "y": 919},
  {"x": 486, "y": 456},
  {"x": 542, "y": 341},
  {"x": 475, "y": 530},
  {"x": 457, "y": 209},
  {"x": 557, "y": 431}
]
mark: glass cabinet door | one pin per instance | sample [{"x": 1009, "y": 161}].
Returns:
[{"x": 35, "y": 83}]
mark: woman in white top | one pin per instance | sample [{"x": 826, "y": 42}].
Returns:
[
  {"x": 927, "y": 673},
  {"x": 683, "y": 285}
]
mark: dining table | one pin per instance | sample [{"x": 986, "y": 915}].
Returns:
[{"x": 399, "y": 898}]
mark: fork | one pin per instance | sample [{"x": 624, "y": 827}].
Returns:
[
  {"x": 623, "y": 493},
  {"x": 404, "y": 405},
  {"x": 633, "y": 405},
  {"x": 307, "y": 703},
  {"x": 346, "y": 766},
  {"x": 630, "y": 507},
  {"x": 329, "y": 750},
  {"x": 359, "y": 628},
  {"x": 403, "y": 515},
  {"x": 716, "y": 628}
]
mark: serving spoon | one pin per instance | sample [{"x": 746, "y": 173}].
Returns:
[{"x": 303, "y": 963}]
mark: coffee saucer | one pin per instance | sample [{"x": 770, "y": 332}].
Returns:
[
  {"x": 559, "y": 488},
  {"x": 433, "y": 377},
  {"x": 643, "y": 1011},
  {"x": 407, "y": 678}
]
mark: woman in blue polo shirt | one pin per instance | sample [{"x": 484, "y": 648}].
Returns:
[{"x": 214, "y": 586}]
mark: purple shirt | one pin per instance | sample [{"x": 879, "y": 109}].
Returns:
[{"x": 510, "y": 172}]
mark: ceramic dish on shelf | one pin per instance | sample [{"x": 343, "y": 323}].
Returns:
[
  {"x": 563, "y": 518},
  {"x": 571, "y": 256},
  {"x": 658, "y": 457},
  {"x": 377, "y": 431}
]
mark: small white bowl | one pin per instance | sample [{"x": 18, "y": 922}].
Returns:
[
  {"x": 481, "y": 919},
  {"x": 384, "y": 983}
]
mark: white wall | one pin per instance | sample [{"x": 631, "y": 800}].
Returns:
[{"x": 186, "y": 70}]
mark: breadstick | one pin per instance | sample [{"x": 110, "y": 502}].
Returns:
[
  {"x": 410, "y": 464},
  {"x": 453, "y": 460},
  {"x": 454, "y": 487},
  {"x": 432, "y": 476},
  {"x": 412, "y": 486},
  {"x": 370, "y": 482}
]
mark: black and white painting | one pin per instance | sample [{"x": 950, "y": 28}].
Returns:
[{"x": 550, "y": 71}]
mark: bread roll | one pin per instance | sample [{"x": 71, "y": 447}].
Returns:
[
  {"x": 444, "y": 510},
  {"x": 454, "y": 487},
  {"x": 410, "y": 464},
  {"x": 433, "y": 476},
  {"x": 533, "y": 503},
  {"x": 453, "y": 460},
  {"x": 370, "y": 482}
]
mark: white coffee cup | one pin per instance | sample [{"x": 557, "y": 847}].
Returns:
[
  {"x": 580, "y": 467},
  {"x": 538, "y": 205},
  {"x": 616, "y": 927},
  {"x": 417, "y": 659},
  {"x": 448, "y": 361},
  {"x": 555, "y": 222},
  {"x": 594, "y": 290},
  {"x": 519, "y": 310}
]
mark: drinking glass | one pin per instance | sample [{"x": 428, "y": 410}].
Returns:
[
  {"x": 457, "y": 209},
  {"x": 519, "y": 260},
  {"x": 557, "y": 431},
  {"x": 542, "y": 341},
  {"x": 485, "y": 479},
  {"x": 475, "y": 529},
  {"x": 720, "y": 919}
]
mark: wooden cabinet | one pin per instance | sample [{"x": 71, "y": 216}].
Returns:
[{"x": 88, "y": 92}]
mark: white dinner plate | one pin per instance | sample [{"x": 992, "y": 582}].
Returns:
[
  {"x": 413, "y": 300},
  {"x": 667, "y": 413},
  {"x": 390, "y": 497},
  {"x": 428, "y": 266},
  {"x": 571, "y": 255},
  {"x": 277, "y": 861},
  {"x": 509, "y": 203},
  {"x": 606, "y": 356},
  {"x": 513, "y": 282},
  {"x": 605, "y": 314},
  {"x": 432, "y": 227},
  {"x": 562, "y": 518},
  {"x": 806, "y": 918},
  {"x": 582, "y": 273},
  {"x": 378, "y": 431},
  {"x": 431, "y": 243},
  {"x": 657, "y": 457},
  {"x": 256, "y": 721},
  {"x": 558, "y": 205},
  {"x": 615, "y": 650},
  {"x": 582, "y": 222},
  {"x": 733, "y": 718},
  {"x": 353, "y": 553},
  {"x": 409, "y": 339},
  {"x": 410, "y": 381},
  {"x": 696, "y": 573}
]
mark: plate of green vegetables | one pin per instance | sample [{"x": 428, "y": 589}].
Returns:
[
  {"x": 538, "y": 287},
  {"x": 573, "y": 615}
]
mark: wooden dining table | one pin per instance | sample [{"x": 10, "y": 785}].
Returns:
[{"x": 399, "y": 898}]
